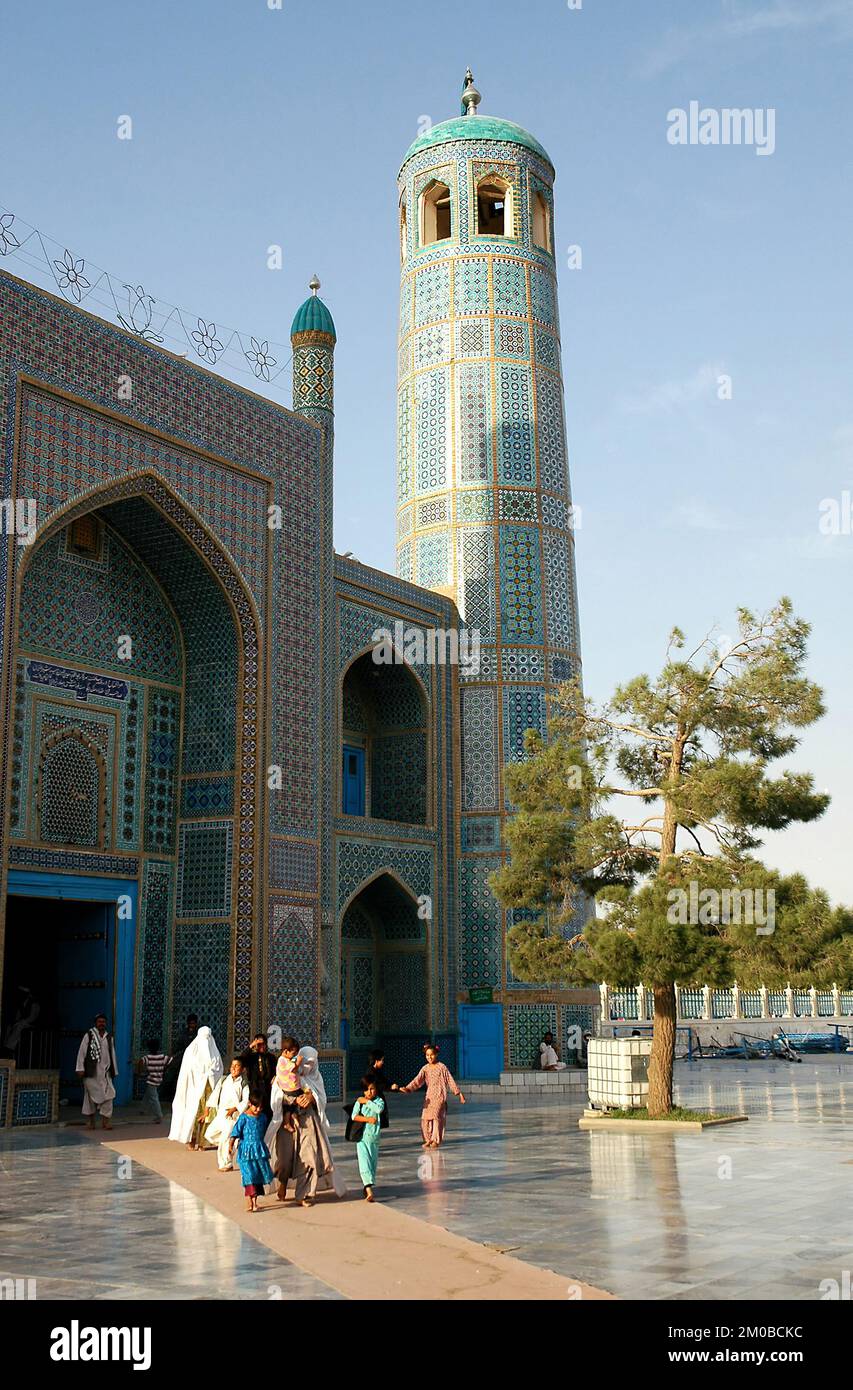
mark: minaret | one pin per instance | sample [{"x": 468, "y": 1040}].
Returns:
[
  {"x": 313, "y": 338},
  {"x": 484, "y": 508}
]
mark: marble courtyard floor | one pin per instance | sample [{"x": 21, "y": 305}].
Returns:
[{"x": 519, "y": 1203}]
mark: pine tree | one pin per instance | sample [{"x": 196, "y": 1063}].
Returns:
[{"x": 691, "y": 749}]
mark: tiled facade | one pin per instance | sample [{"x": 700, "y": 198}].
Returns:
[
  {"x": 185, "y": 658},
  {"x": 170, "y": 743}
]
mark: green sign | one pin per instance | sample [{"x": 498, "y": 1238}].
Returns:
[{"x": 481, "y": 995}]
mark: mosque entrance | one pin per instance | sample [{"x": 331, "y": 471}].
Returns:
[
  {"x": 384, "y": 977},
  {"x": 67, "y": 958},
  {"x": 130, "y": 670}
]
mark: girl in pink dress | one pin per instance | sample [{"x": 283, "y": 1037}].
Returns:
[{"x": 438, "y": 1081}]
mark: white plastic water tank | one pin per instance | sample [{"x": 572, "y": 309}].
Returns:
[{"x": 617, "y": 1072}]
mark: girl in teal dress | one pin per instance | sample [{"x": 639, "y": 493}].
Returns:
[
  {"x": 252, "y": 1155},
  {"x": 366, "y": 1112}
]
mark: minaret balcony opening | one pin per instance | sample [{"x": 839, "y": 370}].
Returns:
[
  {"x": 494, "y": 207},
  {"x": 542, "y": 223},
  {"x": 436, "y": 217}
]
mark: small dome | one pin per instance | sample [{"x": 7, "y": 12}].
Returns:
[
  {"x": 313, "y": 317},
  {"x": 477, "y": 128}
]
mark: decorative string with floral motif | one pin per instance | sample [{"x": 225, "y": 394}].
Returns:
[{"x": 153, "y": 320}]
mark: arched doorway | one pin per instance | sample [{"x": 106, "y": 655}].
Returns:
[
  {"x": 384, "y": 975},
  {"x": 136, "y": 671}
]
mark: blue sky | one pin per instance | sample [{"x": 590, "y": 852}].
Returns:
[{"x": 254, "y": 126}]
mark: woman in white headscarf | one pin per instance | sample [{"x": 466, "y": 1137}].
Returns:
[
  {"x": 201, "y": 1068},
  {"x": 313, "y": 1077}
]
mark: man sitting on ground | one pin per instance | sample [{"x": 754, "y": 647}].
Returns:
[{"x": 548, "y": 1059}]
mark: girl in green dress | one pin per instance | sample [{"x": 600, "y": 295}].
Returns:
[{"x": 367, "y": 1112}]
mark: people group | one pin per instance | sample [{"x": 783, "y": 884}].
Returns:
[{"x": 266, "y": 1114}]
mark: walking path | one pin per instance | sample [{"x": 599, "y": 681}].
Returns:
[{"x": 362, "y": 1251}]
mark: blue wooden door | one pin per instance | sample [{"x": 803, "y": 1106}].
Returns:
[
  {"x": 481, "y": 1041},
  {"x": 353, "y": 781},
  {"x": 89, "y": 959},
  {"x": 85, "y": 955}
]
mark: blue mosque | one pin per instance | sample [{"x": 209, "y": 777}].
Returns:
[{"x": 247, "y": 777}]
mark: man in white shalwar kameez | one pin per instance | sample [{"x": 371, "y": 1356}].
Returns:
[
  {"x": 229, "y": 1098},
  {"x": 97, "y": 1067},
  {"x": 201, "y": 1069}
]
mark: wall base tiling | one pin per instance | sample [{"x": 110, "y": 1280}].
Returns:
[
  {"x": 35, "y": 1098},
  {"x": 333, "y": 1072}
]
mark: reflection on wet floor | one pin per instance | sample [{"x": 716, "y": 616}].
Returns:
[
  {"x": 757, "y": 1210},
  {"x": 83, "y": 1226}
]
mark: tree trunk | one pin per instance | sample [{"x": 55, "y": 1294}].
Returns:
[
  {"x": 663, "y": 1036},
  {"x": 663, "y": 1052}
]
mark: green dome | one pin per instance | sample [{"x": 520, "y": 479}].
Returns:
[
  {"x": 477, "y": 128},
  {"x": 313, "y": 317}
]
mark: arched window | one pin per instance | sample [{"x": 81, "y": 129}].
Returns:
[
  {"x": 384, "y": 768},
  {"x": 494, "y": 207},
  {"x": 436, "y": 222},
  {"x": 541, "y": 221},
  {"x": 71, "y": 791},
  {"x": 404, "y": 230}
]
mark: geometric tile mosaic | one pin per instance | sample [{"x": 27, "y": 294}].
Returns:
[
  {"x": 480, "y": 944},
  {"x": 154, "y": 935},
  {"x": 473, "y": 409},
  {"x": 204, "y": 869},
  {"x": 480, "y": 833},
  {"x": 476, "y": 561},
  {"x": 31, "y": 1103},
  {"x": 207, "y": 796},
  {"x": 402, "y": 992},
  {"x": 479, "y": 749},
  {"x": 164, "y": 708},
  {"x": 293, "y": 865},
  {"x": 522, "y": 664},
  {"x": 524, "y": 708},
  {"x": 521, "y": 585},
  {"x": 559, "y": 587},
  {"x": 516, "y": 449},
  {"x": 432, "y": 422},
  {"x": 525, "y": 1024},
  {"x": 293, "y": 963},
  {"x": 202, "y": 977}
]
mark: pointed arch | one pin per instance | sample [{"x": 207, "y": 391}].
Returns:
[
  {"x": 382, "y": 872},
  {"x": 385, "y": 980},
  {"x": 149, "y": 488}
]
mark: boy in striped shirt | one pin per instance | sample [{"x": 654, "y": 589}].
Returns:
[{"x": 152, "y": 1066}]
